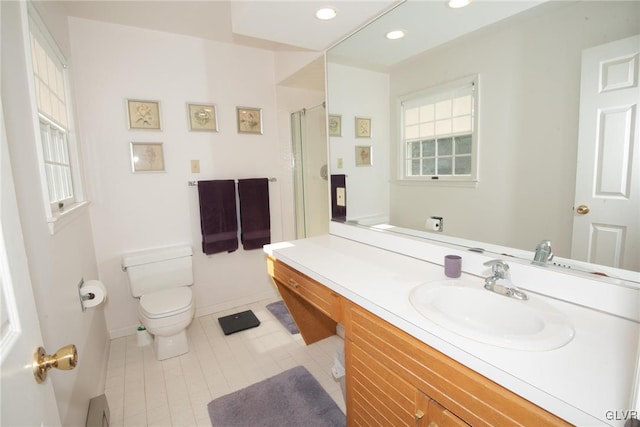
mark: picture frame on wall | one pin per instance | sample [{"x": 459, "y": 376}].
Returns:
[
  {"x": 143, "y": 114},
  {"x": 363, "y": 127},
  {"x": 147, "y": 157},
  {"x": 363, "y": 155},
  {"x": 335, "y": 125},
  {"x": 202, "y": 117},
  {"x": 249, "y": 120}
]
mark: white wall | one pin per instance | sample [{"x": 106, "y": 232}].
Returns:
[
  {"x": 138, "y": 211},
  {"x": 351, "y": 93},
  {"x": 528, "y": 126},
  {"x": 56, "y": 262}
]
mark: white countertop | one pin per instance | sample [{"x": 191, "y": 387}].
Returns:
[{"x": 588, "y": 382}]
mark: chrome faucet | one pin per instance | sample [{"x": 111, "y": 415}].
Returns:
[
  {"x": 543, "y": 253},
  {"x": 500, "y": 272}
]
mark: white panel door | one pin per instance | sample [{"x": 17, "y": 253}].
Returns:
[
  {"x": 23, "y": 401},
  {"x": 606, "y": 227}
]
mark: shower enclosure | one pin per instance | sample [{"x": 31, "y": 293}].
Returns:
[{"x": 309, "y": 148}]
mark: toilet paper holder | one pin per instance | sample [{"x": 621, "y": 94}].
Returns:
[{"x": 84, "y": 296}]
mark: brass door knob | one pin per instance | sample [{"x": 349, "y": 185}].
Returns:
[
  {"x": 582, "y": 210},
  {"x": 66, "y": 358}
]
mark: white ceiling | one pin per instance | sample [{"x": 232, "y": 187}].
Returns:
[
  {"x": 275, "y": 25},
  {"x": 427, "y": 24},
  {"x": 291, "y": 25}
]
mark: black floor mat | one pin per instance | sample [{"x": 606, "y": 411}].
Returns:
[{"x": 238, "y": 322}]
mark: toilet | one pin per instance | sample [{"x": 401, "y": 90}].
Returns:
[{"x": 161, "y": 280}]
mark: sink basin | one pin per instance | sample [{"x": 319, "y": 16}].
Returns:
[{"x": 466, "y": 308}]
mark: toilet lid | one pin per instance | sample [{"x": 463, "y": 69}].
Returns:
[{"x": 167, "y": 302}]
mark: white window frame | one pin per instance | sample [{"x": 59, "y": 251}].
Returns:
[
  {"x": 57, "y": 215},
  {"x": 431, "y": 93}
]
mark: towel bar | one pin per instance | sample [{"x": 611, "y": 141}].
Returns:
[{"x": 195, "y": 183}]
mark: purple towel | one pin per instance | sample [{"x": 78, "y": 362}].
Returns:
[
  {"x": 254, "y": 213},
  {"x": 218, "y": 216}
]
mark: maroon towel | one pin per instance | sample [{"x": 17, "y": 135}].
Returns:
[
  {"x": 254, "y": 213},
  {"x": 218, "y": 216}
]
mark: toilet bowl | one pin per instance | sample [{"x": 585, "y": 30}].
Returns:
[{"x": 166, "y": 315}]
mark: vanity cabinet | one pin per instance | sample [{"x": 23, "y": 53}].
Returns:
[
  {"x": 395, "y": 379},
  {"x": 392, "y": 378},
  {"x": 313, "y": 306}
]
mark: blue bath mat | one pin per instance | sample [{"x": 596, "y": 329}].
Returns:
[
  {"x": 291, "y": 398},
  {"x": 279, "y": 310}
]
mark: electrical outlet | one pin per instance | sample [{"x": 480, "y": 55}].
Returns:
[{"x": 195, "y": 166}]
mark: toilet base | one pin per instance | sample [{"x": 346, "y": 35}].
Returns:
[{"x": 171, "y": 346}]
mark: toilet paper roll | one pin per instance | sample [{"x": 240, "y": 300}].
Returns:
[{"x": 93, "y": 293}]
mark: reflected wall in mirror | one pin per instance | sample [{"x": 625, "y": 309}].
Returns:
[{"x": 528, "y": 57}]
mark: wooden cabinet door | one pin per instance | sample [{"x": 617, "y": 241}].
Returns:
[
  {"x": 438, "y": 416},
  {"x": 375, "y": 395},
  {"x": 430, "y": 413}
]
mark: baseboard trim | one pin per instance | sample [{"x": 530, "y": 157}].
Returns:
[
  {"x": 204, "y": 311},
  {"x": 237, "y": 302}
]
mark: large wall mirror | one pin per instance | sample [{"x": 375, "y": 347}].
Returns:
[{"x": 556, "y": 155}]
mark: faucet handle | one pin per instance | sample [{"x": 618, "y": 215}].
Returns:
[{"x": 499, "y": 268}]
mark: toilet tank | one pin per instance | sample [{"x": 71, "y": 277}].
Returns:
[{"x": 158, "y": 269}]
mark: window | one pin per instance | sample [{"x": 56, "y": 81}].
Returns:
[
  {"x": 438, "y": 133},
  {"x": 57, "y": 151}
]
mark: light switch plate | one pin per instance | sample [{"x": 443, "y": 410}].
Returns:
[
  {"x": 340, "y": 196},
  {"x": 195, "y": 166},
  {"x": 339, "y": 166}
]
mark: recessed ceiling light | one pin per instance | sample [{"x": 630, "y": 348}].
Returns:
[
  {"x": 457, "y": 4},
  {"x": 395, "y": 34},
  {"x": 326, "y": 13}
]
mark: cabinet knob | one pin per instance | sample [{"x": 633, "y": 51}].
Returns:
[
  {"x": 418, "y": 416},
  {"x": 294, "y": 283},
  {"x": 433, "y": 424}
]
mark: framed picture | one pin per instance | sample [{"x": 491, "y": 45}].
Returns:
[
  {"x": 143, "y": 114},
  {"x": 147, "y": 157},
  {"x": 363, "y": 127},
  {"x": 335, "y": 125},
  {"x": 249, "y": 120},
  {"x": 202, "y": 117},
  {"x": 363, "y": 155}
]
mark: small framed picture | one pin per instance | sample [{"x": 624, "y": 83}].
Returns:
[
  {"x": 202, "y": 117},
  {"x": 335, "y": 125},
  {"x": 143, "y": 114},
  {"x": 363, "y": 127},
  {"x": 363, "y": 155},
  {"x": 249, "y": 120},
  {"x": 147, "y": 157}
]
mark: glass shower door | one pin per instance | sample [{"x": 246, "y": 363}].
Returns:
[{"x": 309, "y": 147}]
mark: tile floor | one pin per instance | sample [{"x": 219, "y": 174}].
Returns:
[{"x": 142, "y": 391}]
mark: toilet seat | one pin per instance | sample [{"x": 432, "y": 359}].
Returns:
[{"x": 168, "y": 302}]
